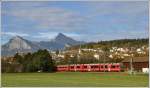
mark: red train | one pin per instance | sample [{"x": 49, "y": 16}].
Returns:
[{"x": 113, "y": 67}]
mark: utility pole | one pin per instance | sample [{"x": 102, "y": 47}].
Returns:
[
  {"x": 131, "y": 64},
  {"x": 99, "y": 60},
  {"x": 78, "y": 56},
  {"x": 104, "y": 60},
  {"x": 105, "y": 51}
]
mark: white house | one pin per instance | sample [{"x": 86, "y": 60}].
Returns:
[{"x": 96, "y": 56}]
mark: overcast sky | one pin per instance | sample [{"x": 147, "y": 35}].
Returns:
[{"x": 85, "y": 21}]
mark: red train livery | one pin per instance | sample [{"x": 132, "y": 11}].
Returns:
[{"x": 113, "y": 67}]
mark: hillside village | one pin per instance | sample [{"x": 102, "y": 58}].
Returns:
[
  {"x": 123, "y": 55},
  {"x": 111, "y": 53},
  {"x": 105, "y": 53},
  {"x": 114, "y": 52}
]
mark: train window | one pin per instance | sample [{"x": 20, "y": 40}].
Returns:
[
  {"x": 96, "y": 66},
  {"x": 78, "y": 66},
  {"x": 72, "y": 67},
  {"x": 85, "y": 66},
  {"x": 117, "y": 66},
  {"x": 92, "y": 66},
  {"x": 113, "y": 66},
  {"x": 106, "y": 66},
  {"x": 101, "y": 66}
]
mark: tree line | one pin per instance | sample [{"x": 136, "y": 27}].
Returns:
[
  {"x": 117, "y": 43},
  {"x": 31, "y": 62}
]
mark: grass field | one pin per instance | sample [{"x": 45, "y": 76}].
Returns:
[{"x": 81, "y": 79}]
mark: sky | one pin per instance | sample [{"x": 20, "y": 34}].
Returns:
[{"x": 81, "y": 20}]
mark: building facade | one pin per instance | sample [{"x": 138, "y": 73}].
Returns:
[{"x": 138, "y": 63}]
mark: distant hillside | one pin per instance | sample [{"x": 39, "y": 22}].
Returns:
[
  {"x": 19, "y": 44},
  {"x": 115, "y": 43}
]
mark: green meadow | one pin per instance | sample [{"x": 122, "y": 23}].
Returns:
[{"x": 74, "y": 79}]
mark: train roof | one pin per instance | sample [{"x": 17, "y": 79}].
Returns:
[{"x": 88, "y": 64}]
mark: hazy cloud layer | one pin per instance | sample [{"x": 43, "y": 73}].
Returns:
[{"x": 88, "y": 21}]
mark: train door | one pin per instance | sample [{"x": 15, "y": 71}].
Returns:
[
  {"x": 89, "y": 67},
  {"x": 109, "y": 67},
  {"x": 101, "y": 67},
  {"x": 75, "y": 68},
  {"x": 78, "y": 68},
  {"x": 106, "y": 67},
  {"x": 72, "y": 68}
]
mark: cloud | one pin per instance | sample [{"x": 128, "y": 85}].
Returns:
[
  {"x": 52, "y": 35},
  {"x": 45, "y": 35},
  {"x": 51, "y": 18},
  {"x": 14, "y": 34},
  {"x": 119, "y": 7},
  {"x": 55, "y": 18},
  {"x": 23, "y": 4},
  {"x": 89, "y": 21}
]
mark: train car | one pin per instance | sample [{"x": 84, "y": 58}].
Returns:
[
  {"x": 115, "y": 67},
  {"x": 62, "y": 68},
  {"x": 107, "y": 67},
  {"x": 94, "y": 67},
  {"x": 72, "y": 68},
  {"x": 86, "y": 68},
  {"x": 79, "y": 67}
]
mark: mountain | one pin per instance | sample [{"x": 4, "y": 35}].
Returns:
[
  {"x": 59, "y": 42},
  {"x": 62, "y": 39},
  {"x": 19, "y": 44}
]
